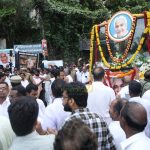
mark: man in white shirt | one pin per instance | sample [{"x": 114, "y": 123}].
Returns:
[
  {"x": 6, "y": 133},
  {"x": 48, "y": 92},
  {"x": 55, "y": 115},
  {"x": 79, "y": 74},
  {"x": 146, "y": 95},
  {"x": 36, "y": 78},
  {"x": 32, "y": 90},
  {"x": 24, "y": 81},
  {"x": 84, "y": 75},
  {"x": 100, "y": 96},
  {"x": 23, "y": 118},
  {"x": 135, "y": 91},
  {"x": 68, "y": 77},
  {"x": 4, "y": 78},
  {"x": 114, "y": 127},
  {"x": 4, "y": 100},
  {"x": 133, "y": 121},
  {"x": 124, "y": 92}
]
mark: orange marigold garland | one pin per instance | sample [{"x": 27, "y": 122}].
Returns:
[
  {"x": 91, "y": 48},
  {"x": 123, "y": 74},
  {"x": 119, "y": 60},
  {"x": 128, "y": 62}
]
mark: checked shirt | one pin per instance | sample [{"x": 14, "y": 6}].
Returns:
[{"x": 97, "y": 125}]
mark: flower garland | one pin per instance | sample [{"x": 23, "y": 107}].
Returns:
[
  {"x": 126, "y": 63},
  {"x": 100, "y": 48},
  {"x": 120, "y": 74},
  {"x": 148, "y": 20},
  {"x": 119, "y": 60},
  {"x": 123, "y": 74},
  {"x": 91, "y": 49}
]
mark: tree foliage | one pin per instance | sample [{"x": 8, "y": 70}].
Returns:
[
  {"x": 15, "y": 24},
  {"x": 134, "y": 6},
  {"x": 64, "y": 23},
  {"x": 61, "y": 22}
]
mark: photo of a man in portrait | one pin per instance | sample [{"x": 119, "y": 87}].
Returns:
[
  {"x": 28, "y": 60},
  {"x": 120, "y": 26},
  {"x": 4, "y": 59}
]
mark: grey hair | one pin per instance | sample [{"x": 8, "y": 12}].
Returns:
[{"x": 120, "y": 18}]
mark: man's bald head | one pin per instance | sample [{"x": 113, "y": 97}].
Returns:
[
  {"x": 98, "y": 73},
  {"x": 135, "y": 116}
]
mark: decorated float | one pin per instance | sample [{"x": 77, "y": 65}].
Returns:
[{"x": 121, "y": 45}]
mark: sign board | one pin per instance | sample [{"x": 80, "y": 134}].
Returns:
[
  {"x": 34, "y": 48},
  {"x": 84, "y": 44},
  {"x": 57, "y": 63},
  {"x": 28, "y": 60}
]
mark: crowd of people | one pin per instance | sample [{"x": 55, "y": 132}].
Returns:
[{"x": 67, "y": 108}]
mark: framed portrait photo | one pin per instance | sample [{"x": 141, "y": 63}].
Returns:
[
  {"x": 28, "y": 60},
  {"x": 119, "y": 26}
]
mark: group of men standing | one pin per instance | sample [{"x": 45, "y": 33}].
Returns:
[{"x": 114, "y": 123}]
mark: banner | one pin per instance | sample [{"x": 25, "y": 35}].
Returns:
[
  {"x": 28, "y": 60},
  {"x": 48, "y": 64},
  {"x": 34, "y": 48},
  {"x": 31, "y": 48}
]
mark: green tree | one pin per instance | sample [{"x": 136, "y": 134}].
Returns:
[
  {"x": 64, "y": 21},
  {"x": 15, "y": 23},
  {"x": 61, "y": 22},
  {"x": 134, "y": 6}
]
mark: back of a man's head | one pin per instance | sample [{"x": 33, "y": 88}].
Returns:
[
  {"x": 75, "y": 135},
  {"x": 135, "y": 88},
  {"x": 16, "y": 92},
  {"x": 21, "y": 91},
  {"x": 2, "y": 74},
  {"x": 55, "y": 72},
  {"x": 134, "y": 116},
  {"x": 115, "y": 108},
  {"x": 23, "y": 115},
  {"x": 98, "y": 73},
  {"x": 1, "y": 67},
  {"x": 31, "y": 87},
  {"x": 147, "y": 75},
  {"x": 119, "y": 104},
  {"x": 78, "y": 92},
  {"x": 57, "y": 87}
]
